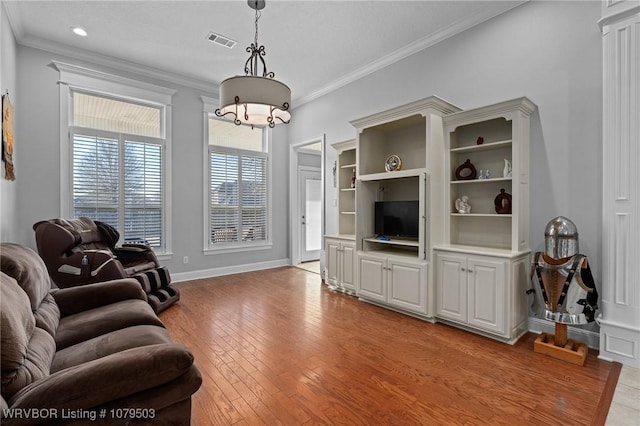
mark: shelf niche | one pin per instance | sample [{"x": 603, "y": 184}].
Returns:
[
  {"x": 404, "y": 137},
  {"x": 504, "y": 129}
]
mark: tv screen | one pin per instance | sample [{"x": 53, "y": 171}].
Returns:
[{"x": 397, "y": 219}]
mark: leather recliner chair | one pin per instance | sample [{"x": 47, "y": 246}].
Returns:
[
  {"x": 82, "y": 251},
  {"x": 96, "y": 348}
]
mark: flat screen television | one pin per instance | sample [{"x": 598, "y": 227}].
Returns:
[{"x": 399, "y": 219}]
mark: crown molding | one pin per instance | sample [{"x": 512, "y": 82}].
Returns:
[
  {"x": 117, "y": 64},
  {"x": 211, "y": 87},
  {"x": 69, "y": 75},
  {"x": 11, "y": 7},
  {"x": 523, "y": 104},
  {"x": 433, "y": 103},
  {"x": 410, "y": 49},
  {"x": 630, "y": 9}
]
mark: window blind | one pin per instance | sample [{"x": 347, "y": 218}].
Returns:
[
  {"x": 238, "y": 196},
  {"x": 143, "y": 191},
  {"x": 96, "y": 178},
  {"x": 119, "y": 181}
]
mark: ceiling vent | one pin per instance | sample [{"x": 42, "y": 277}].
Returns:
[{"x": 221, "y": 40}]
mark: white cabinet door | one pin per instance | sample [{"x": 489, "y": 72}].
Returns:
[
  {"x": 451, "y": 287},
  {"x": 487, "y": 294},
  {"x": 333, "y": 262},
  {"x": 372, "y": 278},
  {"x": 407, "y": 285},
  {"x": 348, "y": 266}
]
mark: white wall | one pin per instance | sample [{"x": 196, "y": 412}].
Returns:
[
  {"x": 547, "y": 51},
  {"x": 38, "y": 185},
  {"x": 8, "y": 73}
]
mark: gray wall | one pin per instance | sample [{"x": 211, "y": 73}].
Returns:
[
  {"x": 8, "y": 73},
  {"x": 547, "y": 51},
  {"x": 38, "y": 186}
]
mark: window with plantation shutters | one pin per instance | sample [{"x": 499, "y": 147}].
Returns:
[
  {"x": 238, "y": 186},
  {"x": 118, "y": 176},
  {"x": 95, "y": 178}
]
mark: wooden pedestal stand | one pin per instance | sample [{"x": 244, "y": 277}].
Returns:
[{"x": 560, "y": 347}]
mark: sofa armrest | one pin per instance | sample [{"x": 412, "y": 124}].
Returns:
[
  {"x": 82, "y": 298},
  {"x": 104, "y": 380}
]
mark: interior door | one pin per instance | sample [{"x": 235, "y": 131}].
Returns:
[{"x": 310, "y": 216}]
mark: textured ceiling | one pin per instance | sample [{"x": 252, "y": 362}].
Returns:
[{"x": 312, "y": 46}]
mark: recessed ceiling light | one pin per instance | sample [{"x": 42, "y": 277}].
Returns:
[{"x": 79, "y": 31}]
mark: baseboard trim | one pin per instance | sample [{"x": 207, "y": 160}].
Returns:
[
  {"x": 592, "y": 339},
  {"x": 228, "y": 270},
  {"x": 619, "y": 343}
]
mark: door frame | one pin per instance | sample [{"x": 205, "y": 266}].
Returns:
[
  {"x": 294, "y": 233},
  {"x": 299, "y": 211}
]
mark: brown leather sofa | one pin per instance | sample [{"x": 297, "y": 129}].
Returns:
[
  {"x": 81, "y": 251},
  {"x": 89, "y": 354}
]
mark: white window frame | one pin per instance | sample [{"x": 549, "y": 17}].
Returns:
[
  {"x": 80, "y": 79},
  {"x": 209, "y": 107}
]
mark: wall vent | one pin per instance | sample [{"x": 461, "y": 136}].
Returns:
[{"x": 221, "y": 40}]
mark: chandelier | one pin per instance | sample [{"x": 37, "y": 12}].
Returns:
[{"x": 252, "y": 98}]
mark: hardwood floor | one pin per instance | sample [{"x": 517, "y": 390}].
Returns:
[{"x": 277, "y": 347}]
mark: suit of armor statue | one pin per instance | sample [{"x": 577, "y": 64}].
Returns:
[{"x": 563, "y": 285}]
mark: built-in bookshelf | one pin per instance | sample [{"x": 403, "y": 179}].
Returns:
[
  {"x": 482, "y": 264},
  {"x": 396, "y": 151}
]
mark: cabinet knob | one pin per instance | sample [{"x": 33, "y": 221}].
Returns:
[{"x": 462, "y": 269}]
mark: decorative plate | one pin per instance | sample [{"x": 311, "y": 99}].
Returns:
[{"x": 393, "y": 163}]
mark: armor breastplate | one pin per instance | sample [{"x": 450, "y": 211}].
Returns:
[{"x": 564, "y": 290}]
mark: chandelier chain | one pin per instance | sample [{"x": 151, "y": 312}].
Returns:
[{"x": 258, "y": 14}]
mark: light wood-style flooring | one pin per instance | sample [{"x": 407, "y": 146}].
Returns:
[{"x": 278, "y": 347}]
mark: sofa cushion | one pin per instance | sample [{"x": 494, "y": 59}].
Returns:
[
  {"x": 27, "y": 351},
  {"x": 105, "y": 319},
  {"x": 28, "y": 269},
  {"x": 107, "y": 344},
  {"x": 48, "y": 315},
  {"x": 108, "y": 379},
  {"x": 16, "y": 323}
]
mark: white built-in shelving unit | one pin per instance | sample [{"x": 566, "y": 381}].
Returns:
[
  {"x": 482, "y": 265},
  {"x": 340, "y": 248},
  {"x": 396, "y": 272},
  {"x": 467, "y": 269}
]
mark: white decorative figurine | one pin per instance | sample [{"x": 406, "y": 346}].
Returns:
[
  {"x": 506, "y": 172},
  {"x": 462, "y": 205}
]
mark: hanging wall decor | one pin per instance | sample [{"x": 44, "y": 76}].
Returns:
[{"x": 7, "y": 137}]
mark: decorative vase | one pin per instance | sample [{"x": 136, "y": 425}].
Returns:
[
  {"x": 502, "y": 202},
  {"x": 506, "y": 171},
  {"x": 466, "y": 171}
]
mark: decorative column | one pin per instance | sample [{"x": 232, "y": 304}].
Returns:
[{"x": 620, "y": 301}]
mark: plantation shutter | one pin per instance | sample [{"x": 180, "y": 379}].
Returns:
[
  {"x": 119, "y": 150},
  {"x": 96, "y": 178},
  {"x": 143, "y": 193},
  {"x": 224, "y": 190},
  {"x": 238, "y": 185},
  {"x": 254, "y": 198}
]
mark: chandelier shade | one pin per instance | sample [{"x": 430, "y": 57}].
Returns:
[
  {"x": 254, "y": 99},
  {"x": 260, "y": 101}
]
